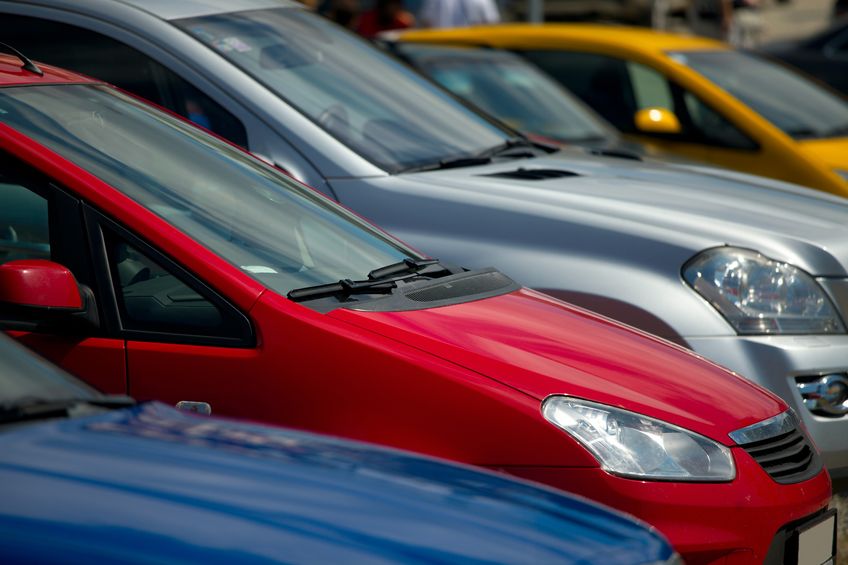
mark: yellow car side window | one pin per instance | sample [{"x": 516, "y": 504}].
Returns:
[{"x": 650, "y": 88}]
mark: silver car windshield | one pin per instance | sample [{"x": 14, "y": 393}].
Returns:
[
  {"x": 367, "y": 100},
  {"x": 798, "y": 106},
  {"x": 511, "y": 89},
  {"x": 278, "y": 231}
]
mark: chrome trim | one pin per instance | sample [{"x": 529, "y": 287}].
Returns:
[
  {"x": 781, "y": 424},
  {"x": 827, "y": 396},
  {"x": 195, "y": 407}
]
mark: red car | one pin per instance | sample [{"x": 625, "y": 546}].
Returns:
[{"x": 154, "y": 259}]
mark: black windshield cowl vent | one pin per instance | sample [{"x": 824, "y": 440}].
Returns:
[
  {"x": 467, "y": 286},
  {"x": 533, "y": 174},
  {"x": 445, "y": 291}
]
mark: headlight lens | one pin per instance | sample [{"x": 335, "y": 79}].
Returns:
[
  {"x": 842, "y": 173},
  {"x": 632, "y": 445},
  {"x": 760, "y": 296}
]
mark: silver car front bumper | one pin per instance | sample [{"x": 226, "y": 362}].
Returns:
[{"x": 775, "y": 362}]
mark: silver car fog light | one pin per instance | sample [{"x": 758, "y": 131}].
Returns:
[{"x": 826, "y": 395}]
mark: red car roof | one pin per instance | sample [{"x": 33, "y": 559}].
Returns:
[{"x": 11, "y": 74}]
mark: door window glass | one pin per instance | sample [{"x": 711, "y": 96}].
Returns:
[
  {"x": 651, "y": 89},
  {"x": 711, "y": 127},
  {"x": 102, "y": 57},
  {"x": 604, "y": 83},
  {"x": 24, "y": 231},
  {"x": 153, "y": 299}
]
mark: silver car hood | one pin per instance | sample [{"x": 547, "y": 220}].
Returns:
[{"x": 680, "y": 205}]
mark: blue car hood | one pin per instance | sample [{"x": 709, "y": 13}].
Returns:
[{"x": 150, "y": 484}]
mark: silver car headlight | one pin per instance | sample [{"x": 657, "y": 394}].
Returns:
[
  {"x": 632, "y": 445},
  {"x": 758, "y": 295}
]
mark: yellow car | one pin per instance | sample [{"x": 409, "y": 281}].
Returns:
[{"x": 688, "y": 96}]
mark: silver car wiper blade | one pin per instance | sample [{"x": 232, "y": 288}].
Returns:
[
  {"x": 451, "y": 163},
  {"x": 505, "y": 149},
  {"x": 838, "y": 131}
]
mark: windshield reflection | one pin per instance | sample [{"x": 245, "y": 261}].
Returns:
[
  {"x": 798, "y": 106},
  {"x": 512, "y": 90},
  {"x": 258, "y": 219},
  {"x": 368, "y": 101}
]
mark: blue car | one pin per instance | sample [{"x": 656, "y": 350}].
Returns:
[{"x": 87, "y": 478}]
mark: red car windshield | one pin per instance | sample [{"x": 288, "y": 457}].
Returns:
[{"x": 258, "y": 219}]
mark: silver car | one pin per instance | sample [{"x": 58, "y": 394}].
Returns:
[{"x": 750, "y": 273}]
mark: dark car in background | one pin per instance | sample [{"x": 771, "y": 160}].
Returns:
[{"x": 823, "y": 56}]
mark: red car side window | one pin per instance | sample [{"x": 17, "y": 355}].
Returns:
[{"x": 24, "y": 232}]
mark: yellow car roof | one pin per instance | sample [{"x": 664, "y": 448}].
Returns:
[{"x": 541, "y": 36}]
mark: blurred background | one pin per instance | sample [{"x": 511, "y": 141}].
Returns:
[{"x": 766, "y": 21}]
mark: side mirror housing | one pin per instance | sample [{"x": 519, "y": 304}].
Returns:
[
  {"x": 40, "y": 294},
  {"x": 36, "y": 283},
  {"x": 657, "y": 121}
]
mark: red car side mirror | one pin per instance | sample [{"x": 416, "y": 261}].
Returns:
[
  {"x": 36, "y": 283},
  {"x": 39, "y": 295}
]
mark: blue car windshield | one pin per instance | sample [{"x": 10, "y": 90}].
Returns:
[
  {"x": 273, "y": 228},
  {"x": 795, "y": 104},
  {"x": 373, "y": 104},
  {"x": 26, "y": 377},
  {"x": 511, "y": 89}
]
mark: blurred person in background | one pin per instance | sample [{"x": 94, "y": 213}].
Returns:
[
  {"x": 384, "y": 16},
  {"x": 710, "y": 18},
  {"x": 346, "y": 13},
  {"x": 736, "y": 21},
  {"x": 746, "y": 27},
  {"x": 458, "y": 13}
]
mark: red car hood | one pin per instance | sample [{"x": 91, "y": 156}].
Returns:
[{"x": 541, "y": 346}]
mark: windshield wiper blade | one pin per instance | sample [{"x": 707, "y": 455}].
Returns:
[
  {"x": 41, "y": 408},
  {"x": 376, "y": 283},
  {"x": 452, "y": 163},
  {"x": 803, "y": 133},
  {"x": 838, "y": 131},
  {"x": 345, "y": 287},
  {"x": 506, "y": 148},
  {"x": 405, "y": 266}
]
